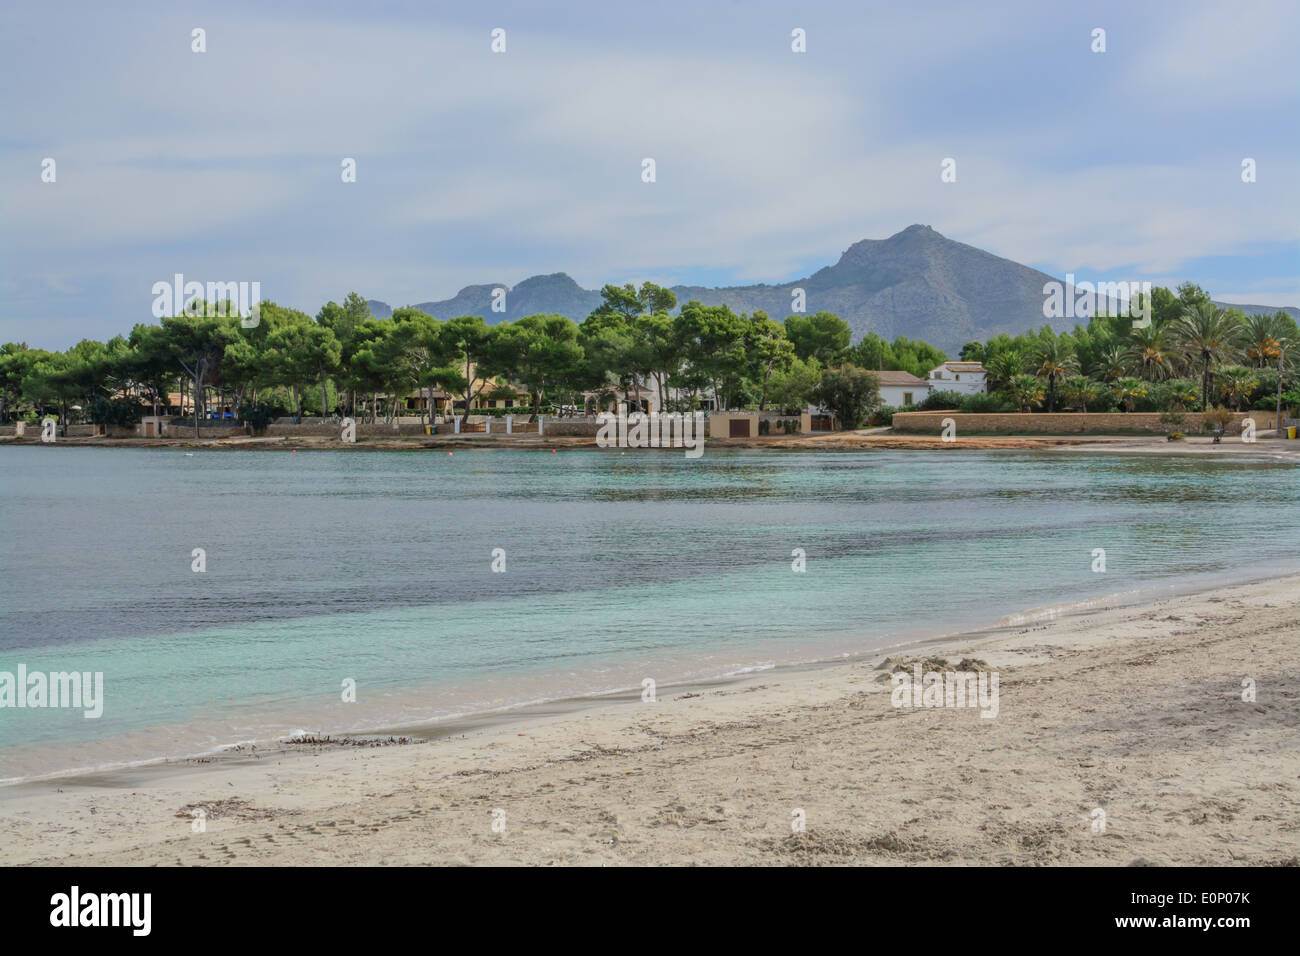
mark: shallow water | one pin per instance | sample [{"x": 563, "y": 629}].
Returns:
[{"x": 377, "y": 567}]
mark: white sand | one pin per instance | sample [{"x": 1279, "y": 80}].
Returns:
[{"x": 1137, "y": 712}]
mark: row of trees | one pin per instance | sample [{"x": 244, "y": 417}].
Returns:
[
  {"x": 1193, "y": 356},
  {"x": 346, "y": 361},
  {"x": 349, "y": 362}
]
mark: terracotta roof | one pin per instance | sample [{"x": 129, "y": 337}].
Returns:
[{"x": 899, "y": 378}]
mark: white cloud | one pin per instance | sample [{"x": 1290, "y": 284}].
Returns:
[{"x": 477, "y": 167}]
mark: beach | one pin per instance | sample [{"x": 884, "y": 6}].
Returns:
[
  {"x": 882, "y": 439},
  {"x": 1121, "y": 738}
]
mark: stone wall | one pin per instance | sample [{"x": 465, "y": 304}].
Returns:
[
  {"x": 519, "y": 426},
  {"x": 377, "y": 430},
  {"x": 567, "y": 428},
  {"x": 1065, "y": 423},
  {"x": 207, "y": 430}
]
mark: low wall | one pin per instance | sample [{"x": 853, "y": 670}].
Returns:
[
  {"x": 376, "y": 430},
  {"x": 569, "y": 428},
  {"x": 519, "y": 426},
  {"x": 1066, "y": 423},
  {"x": 215, "y": 430}
]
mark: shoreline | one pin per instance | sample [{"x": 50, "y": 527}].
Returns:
[
  {"x": 1267, "y": 447},
  {"x": 672, "y": 747},
  {"x": 523, "y": 711}
]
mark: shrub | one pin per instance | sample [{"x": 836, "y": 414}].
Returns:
[
  {"x": 518, "y": 411},
  {"x": 259, "y": 414},
  {"x": 942, "y": 399},
  {"x": 1216, "y": 418},
  {"x": 1184, "y": 392},
  {"x": 884, "y": 415},
  {"x": 1264, "y": 394},
  {"x": 1173, "y": 418},
  {"x": 985, "y": 404},
  {"x": 119, "y": 411},
  {"x": 1104, "y": 401}
]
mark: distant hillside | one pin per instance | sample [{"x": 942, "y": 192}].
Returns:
[
  {"x": 1259, "y": 309},
  {"x": 554, "y": 293},
  {"x": 915, "y": 283}
]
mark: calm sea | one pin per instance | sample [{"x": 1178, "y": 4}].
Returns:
[{"x": 377, "y": 568}]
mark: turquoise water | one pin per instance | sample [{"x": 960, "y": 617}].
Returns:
[{"x": 377, "y": 567}]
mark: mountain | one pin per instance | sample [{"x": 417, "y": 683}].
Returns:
[
  {"x": 556, "y": 293},
  {"x": 1259, "y": 309},
  {"x": 916, "y": 283}
]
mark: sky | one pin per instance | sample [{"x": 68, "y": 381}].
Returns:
[{"x": 474, "y": 166}]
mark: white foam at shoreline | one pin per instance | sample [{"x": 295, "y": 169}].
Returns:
[{"x": 388, "y": 724}]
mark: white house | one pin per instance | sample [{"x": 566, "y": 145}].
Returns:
[
  {"x": 964, "y": 377},
  {"x": 902, "y": 388}
]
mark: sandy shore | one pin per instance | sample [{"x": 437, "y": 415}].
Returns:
[
  {"x": 879, "y": 438},
  {"x": 1136, "y": 712}
]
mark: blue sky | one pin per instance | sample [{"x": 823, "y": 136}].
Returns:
[{"x": 475, "y": 167}]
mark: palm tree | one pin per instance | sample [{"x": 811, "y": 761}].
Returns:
[
  {"x": 1209, "y": 336},
  {"x": 1148, "y": 352},
  {"x": 1078, "y": 391},
  {"x": 1112, "y": 362},
  {"x": 1267, "y": 340},
  {"x": 1236, "y": 383},
  {"x": 1261, "y": 337},
  {"x": 1176, "y": 391},
  {"x": 1287, "y": 336},
  {"x": 1025, "y": 390},
  {"x": 1002, "y": 368},
  {"x": 1127, "y": 390},
  {"x": 1055, "y": 360}
]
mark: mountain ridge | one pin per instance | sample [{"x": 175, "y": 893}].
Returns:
[{"x": 916, "y": 283}]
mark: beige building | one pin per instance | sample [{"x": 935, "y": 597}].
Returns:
[
  {"x": 611, "y": 396},
  {"x": 742, "y": 424},
  {"x": 733, "y": 425},
  {"x": 447, "y": 404}
]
